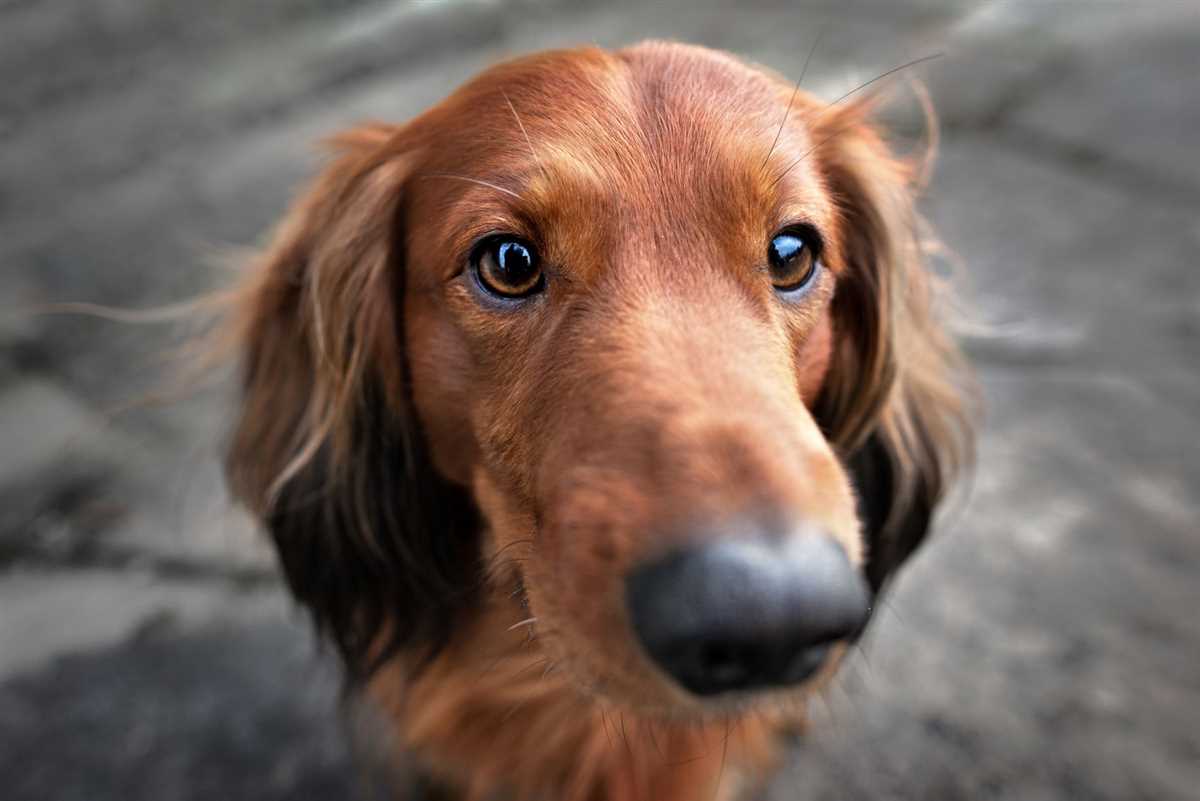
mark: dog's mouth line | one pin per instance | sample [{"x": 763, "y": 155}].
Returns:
[{"x": 680, "y": 706}]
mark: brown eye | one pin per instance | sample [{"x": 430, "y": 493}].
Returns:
[
  {"x": 792, "y": 260},
  {"x": 507, "y": 266}
]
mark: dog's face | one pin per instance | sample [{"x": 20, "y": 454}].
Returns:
[
  {"x": 618, "y": 335},
  {"x": 634, "y": 309}
]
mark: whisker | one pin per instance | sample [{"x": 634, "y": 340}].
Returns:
[
  {"x": 845, "y": 128},
  {"x": 524, "y": 133},
  {"x": 883, "y": 75},
  {"x": 654, "y": 739},
  {"x": 604, "y": 725},
  {"x": 478, "y": 181},
  {"x": 803, "y": 71},
  {"x": 625, "y": 737},
  {"x": 813, "y": 149},
  {"x": 539, "y": 663},
  {"x": 526, "y": 622},
  {"x": 724, "y": 754}
]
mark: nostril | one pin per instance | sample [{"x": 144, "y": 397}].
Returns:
[
  {"x": 804, "y": 663},
  {"x": 715, "y": 666},
  {"x": 707, "y": 665},
  {"x": 722, "y": 664}
]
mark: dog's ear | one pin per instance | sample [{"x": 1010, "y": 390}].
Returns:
[
  {"x": 896, "y": 401},
  {"x": 326, "y": 451}
]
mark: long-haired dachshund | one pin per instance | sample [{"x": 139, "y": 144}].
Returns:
[{"x": 590, "y": 411}]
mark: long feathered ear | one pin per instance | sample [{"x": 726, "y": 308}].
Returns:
[
  {"x": 898, "y": 399},
  {"x": 326, "y": 451}
]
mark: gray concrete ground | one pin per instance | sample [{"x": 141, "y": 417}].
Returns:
[{"x": 1045, "y": 646}]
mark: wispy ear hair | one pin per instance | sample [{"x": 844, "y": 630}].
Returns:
[
  {"x": 326, "y": 450},
  {"x": 899, "y": 400}
]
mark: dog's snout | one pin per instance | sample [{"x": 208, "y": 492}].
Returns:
[{"x": 747, "y": 613}]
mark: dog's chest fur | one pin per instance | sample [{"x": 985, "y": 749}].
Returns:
[{"x": 493, "y": 709}]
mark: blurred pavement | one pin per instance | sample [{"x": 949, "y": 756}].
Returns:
[{"x": 1045, "y": 646}]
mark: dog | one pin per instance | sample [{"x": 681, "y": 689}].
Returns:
[{"x": 591, "y": 410}]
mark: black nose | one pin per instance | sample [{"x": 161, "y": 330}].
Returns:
[{"x": 746, "y": 614}]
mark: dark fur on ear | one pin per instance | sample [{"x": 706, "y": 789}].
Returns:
[
  {"x": 892, "y": 533},
  {"x": 326, "y": 451},
  {"x": 897, "y": 401}
]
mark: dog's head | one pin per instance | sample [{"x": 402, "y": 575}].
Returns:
[{"x": 634, "y": 335}]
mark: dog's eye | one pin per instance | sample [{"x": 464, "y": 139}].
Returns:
[
  {"x": 507, "y": 266},
  {"x": 792, "y": 259}
]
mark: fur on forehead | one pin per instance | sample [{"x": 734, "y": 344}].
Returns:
[{"x": 658, "y": 136}]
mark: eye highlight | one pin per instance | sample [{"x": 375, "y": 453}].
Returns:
[
  {"x": 792, "y": 258},
  {"x": 507, "y": 266}
]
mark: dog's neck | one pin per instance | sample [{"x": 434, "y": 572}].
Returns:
[{"x": 492, "y": 712}]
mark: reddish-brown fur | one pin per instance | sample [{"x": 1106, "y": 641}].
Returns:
[{"x": 457, "y": 490}]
